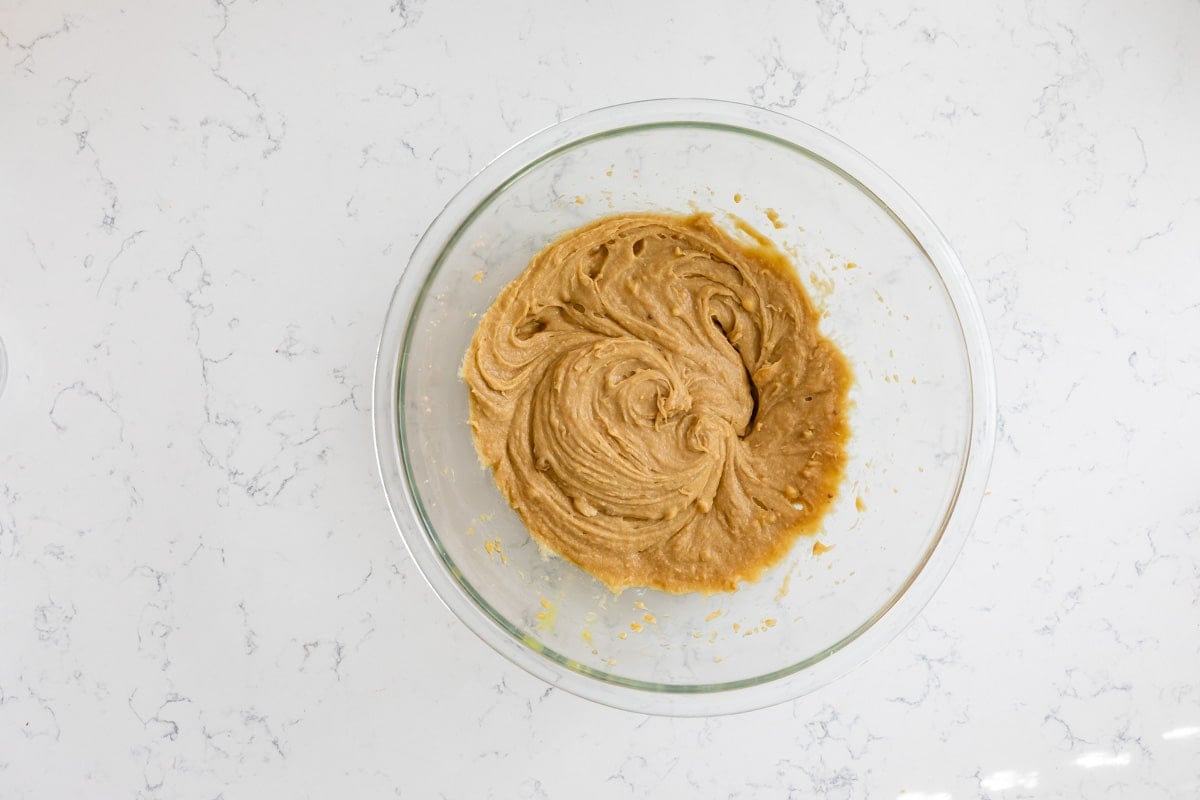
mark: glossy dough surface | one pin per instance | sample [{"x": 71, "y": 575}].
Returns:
[{"x": 656, "y": 402}]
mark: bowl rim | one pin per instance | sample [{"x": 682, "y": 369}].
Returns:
[{"x": 521, "y": 648}]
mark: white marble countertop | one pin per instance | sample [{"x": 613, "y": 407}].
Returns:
[{"x": 203, "y": 209}]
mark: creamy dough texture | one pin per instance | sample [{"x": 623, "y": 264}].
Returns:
[{"x": 656, "y": 402}]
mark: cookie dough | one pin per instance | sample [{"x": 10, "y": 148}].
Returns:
[{"x": 656, "y": 402}]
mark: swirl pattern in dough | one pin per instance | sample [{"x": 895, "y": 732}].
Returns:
[{"x": 656, "y": 402}]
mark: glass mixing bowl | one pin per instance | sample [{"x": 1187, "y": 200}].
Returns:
[{"x": 895, "y": 299}]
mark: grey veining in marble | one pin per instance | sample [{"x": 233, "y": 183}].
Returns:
[{"x": 203, "y": 209}]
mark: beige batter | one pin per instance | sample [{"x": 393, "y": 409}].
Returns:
[{"x": 656, "y": 402}]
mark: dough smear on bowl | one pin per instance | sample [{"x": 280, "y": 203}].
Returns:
[{"x": 656, "y": 402}]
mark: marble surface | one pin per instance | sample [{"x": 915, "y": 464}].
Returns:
[{"x": 203, "y": 209}]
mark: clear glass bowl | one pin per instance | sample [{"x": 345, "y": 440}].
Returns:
[{"x": 895, "y": 299}]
